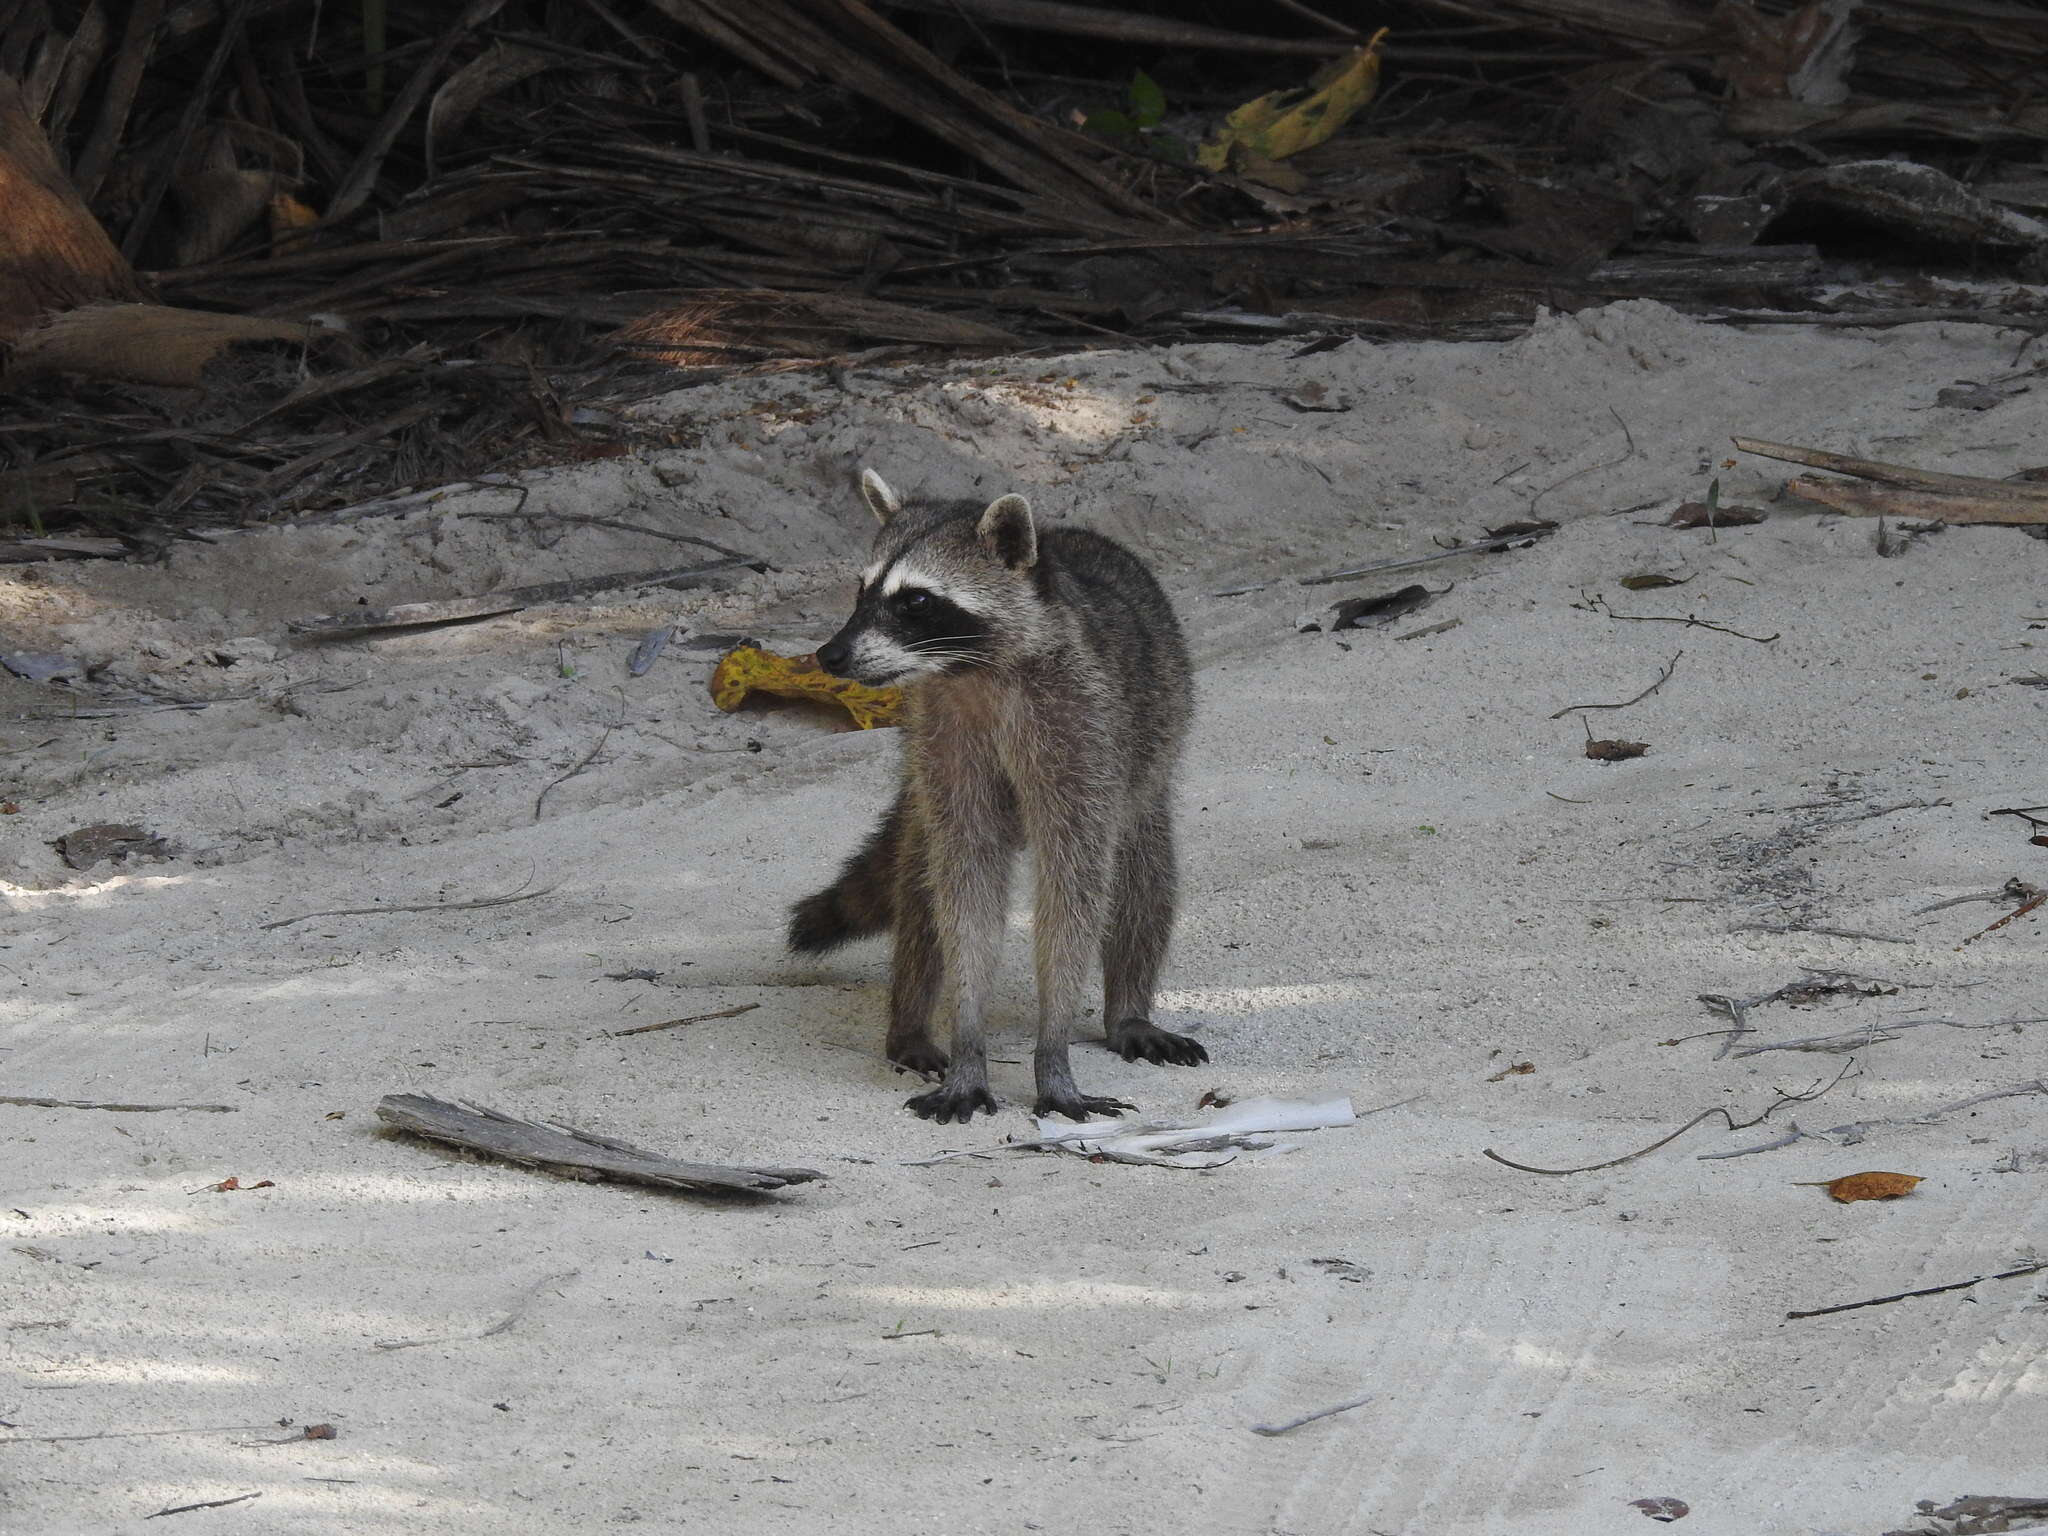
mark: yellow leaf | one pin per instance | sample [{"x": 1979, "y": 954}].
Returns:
[
  {"x": 748, "y": 669},
  {"x": 1284, "y": 123}
]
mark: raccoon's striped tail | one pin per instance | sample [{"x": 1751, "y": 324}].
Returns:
[{"x": 860, "y": 903}]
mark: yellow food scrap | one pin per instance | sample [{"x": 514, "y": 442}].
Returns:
[
  {"x": 749, "y": 669},
  {"x": 1284, "y": 123}
]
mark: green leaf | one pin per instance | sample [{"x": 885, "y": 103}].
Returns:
[
  {"x": 1148, "y": 101},
  {"x": 1110, "y": 123}
]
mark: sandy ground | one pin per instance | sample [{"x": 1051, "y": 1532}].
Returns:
[{"x": 1404, "y": 881}]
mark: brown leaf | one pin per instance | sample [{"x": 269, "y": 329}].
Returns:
[
  {"x": 1615, "y": 751},
  {"x": 225, "y": 1185},
  {"x": 1647, "y": 581},
  {"x": 1697, "y": 514},
  {"x": 1869, "y": 1186}
]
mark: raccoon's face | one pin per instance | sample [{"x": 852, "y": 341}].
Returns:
[{"x": 948, "y": 589}]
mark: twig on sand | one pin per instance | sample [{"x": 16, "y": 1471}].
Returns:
[
  {"x": 1780, "y": 1102},
  {"x": 1310, "y": 1418},
  {"x": 503, "y": 1325},
  {"x": 179, "y": 1509},
  {"x": 588, "y": 758},
  {"x": 1872, "y": 1034},
  {"x": 1855, "y": 1130},
  {"x": 590, "y": 521},
  {"x": 1832, "y": 933},
  {"x": 125, "y": 1109},
  {"x": 1929, "y": 1290},
  {"x": 2016, "y": 912},
  {"x": 698, "y": 1018},
  {"x": 1600, "y": 606},
  {"x": 135, "y": 1434},
  {"x": 1662, "y": 678},
  {"x": 522, "y": 894},
  {"x": 2014, "y": 889}
]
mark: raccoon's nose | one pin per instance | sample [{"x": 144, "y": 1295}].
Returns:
[{"x": 833, "y": 655}]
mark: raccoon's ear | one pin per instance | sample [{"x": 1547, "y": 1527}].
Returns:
[
  {"x": 1006, "y": 528},
  {"x": 882, "y": 501}
]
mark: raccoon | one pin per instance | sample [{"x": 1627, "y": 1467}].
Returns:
[{"x": 1047, "y": 692}]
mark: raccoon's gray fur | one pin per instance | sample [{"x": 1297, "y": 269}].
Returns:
[{"x": 1048, "y": 691}]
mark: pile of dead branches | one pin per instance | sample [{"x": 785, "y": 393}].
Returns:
[{"x": 265, "y": 256}]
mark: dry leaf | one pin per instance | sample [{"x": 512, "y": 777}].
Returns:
[
  {"x": 1615, "y": 751},
  {"x": 1519, "y": 1069},
  {"x": 142, "y": 343},
  {"x": 748, "y": 669},
  {"x": 321, "y": 1432},
  {"x": 1648, "y": 581},
  {"x": 225, "y": 1185},
  {"x": 1697, "y": 514},
  {"x": 1867, "y": 1186}
]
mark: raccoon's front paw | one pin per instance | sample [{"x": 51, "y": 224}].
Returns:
[
  {"x": 949, "y": 1104},
  {"x": 1079, "y": 1106},
  {"x": 1136, "y": 1040}
]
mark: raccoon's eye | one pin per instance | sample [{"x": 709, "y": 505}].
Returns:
[{"x": 913, "y": 602}]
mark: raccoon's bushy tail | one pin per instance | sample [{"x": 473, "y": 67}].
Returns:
[{"x": 860, "y": 903}]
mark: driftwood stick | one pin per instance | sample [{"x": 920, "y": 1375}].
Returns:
[
  {"x": 699, "y": 1018},
  {"x": 124, "y": 1109},
  {"x": 1855, "y": 500},
  {"x": 521, "y": 894},
  {"x": 1310, "y": 1418},
  {"x": 581, "y": 1153},
  {"x": 1896, "y": 474}
]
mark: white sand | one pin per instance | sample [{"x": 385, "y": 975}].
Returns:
[{"x": 1402, "y": 878}]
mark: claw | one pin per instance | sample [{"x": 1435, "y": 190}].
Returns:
[
  {"x": 1137, "y": 1040},
  {"x": 946, "y": 1105},
  {"x": 1081, "y": 1106},
  {"x": 921, "y": 1057}
]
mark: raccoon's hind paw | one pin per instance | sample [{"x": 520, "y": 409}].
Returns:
[
  {"x": 1137, "y": 1040},
  {"x": 1079, "y": 1106},
  {"x": 945, "y": 1105}
]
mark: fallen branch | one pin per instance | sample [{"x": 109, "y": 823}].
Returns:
[
  {"x": 582, "y": 1154},
  {"x": 700, "y": 1018},
  {"x": 522, "y": 894},
  {"x": 1663, "y": 678},
  {"x": 124, "y": 1109},
  {"x": 1782, "y": 1100},
  {"x": 1600, "y": 606},
  {"x": 1930, "y": 1290},
  {"x": 2014, "y": 889},
  {"x": 1929, "y": 506},
  {"x": 1310, "y": 1418},
  {"x": 1896, "y": 474}
]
